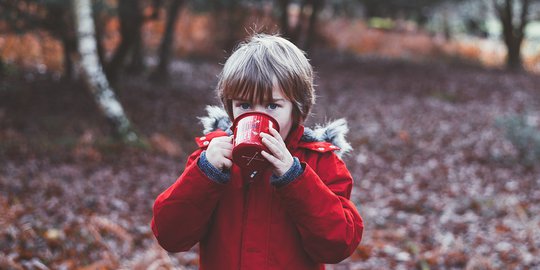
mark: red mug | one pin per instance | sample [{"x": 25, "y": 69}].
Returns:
[{"x": 247, "y": 142}]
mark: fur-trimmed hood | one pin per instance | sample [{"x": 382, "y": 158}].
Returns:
[{"x": 333, "y": 132}]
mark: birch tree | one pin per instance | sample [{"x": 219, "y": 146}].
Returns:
[{"x": 93, "y": 74}]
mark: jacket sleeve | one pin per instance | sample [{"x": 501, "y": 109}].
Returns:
[
  {"x": 181, "y": 213},
  {"x": 330, "y": 227}
]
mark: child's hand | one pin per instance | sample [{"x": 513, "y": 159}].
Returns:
[
  {"x": 280, "y": 156},
  {"x": 219, "y": 152}
]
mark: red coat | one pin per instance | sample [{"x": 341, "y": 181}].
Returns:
[{"x": 250, "y": 224}]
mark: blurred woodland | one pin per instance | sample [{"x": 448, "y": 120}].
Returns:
[{"x": 99, "y": 102}]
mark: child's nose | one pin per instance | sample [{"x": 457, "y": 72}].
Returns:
[{"x": 259, "y": 108}]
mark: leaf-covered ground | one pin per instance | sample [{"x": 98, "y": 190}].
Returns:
[{"x": 438, "y": 184}]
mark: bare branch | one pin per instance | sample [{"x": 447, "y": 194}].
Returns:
[{"x": 524, "y": 15}]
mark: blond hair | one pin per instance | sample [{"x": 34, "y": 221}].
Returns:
[{"x": 259, "y": 65}]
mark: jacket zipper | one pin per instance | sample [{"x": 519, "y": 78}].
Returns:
[{"x": 244, "y": 218}]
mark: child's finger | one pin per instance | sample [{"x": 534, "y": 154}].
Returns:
[
  {"x": 227, "y": 153},
  {"x": 226, "y": 145},
  {"x": 276, "y": 134},
  {"x": 228, "y": 140},
  {"x": 275, "y": 149},
  {"x": 227, "y": 163},
  {"x": 269, "y": 138},
  {"x": 221, "y": 142},
  {"x": 223, "y": 138},
  {"x": 270, "y": 158}
]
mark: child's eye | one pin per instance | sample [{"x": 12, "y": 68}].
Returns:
[
  {"x": 272, "y": 106},
  {"x": 244, "y": 106}
]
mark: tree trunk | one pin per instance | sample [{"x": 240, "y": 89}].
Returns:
[
  {"x": 156, "y": 5},
  {"x": 93, "y": 75},
  {"x": 513, "y": 34},
  {"x": 234, "y": 16},
  {"x": 131, "y": 18},
  {"x": 136, "y": 56},
  {"x": 162, "y": 70},
  {"x": 284, "y": 17},
  {"x": 446, "y": 24},
  {"x": 59, "y": 22},
  {"x": 513, "y": 59},
  {"x": 69, "y": 45},
  {"x": 316, "y": 6},
  {"x": 295, "y": 33},
  {"x": 2, "y": 67}
]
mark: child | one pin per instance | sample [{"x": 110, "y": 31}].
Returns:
[{"x": 297, "y": 214}]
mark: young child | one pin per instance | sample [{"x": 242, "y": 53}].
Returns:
[{"x": 297, "y": 214}]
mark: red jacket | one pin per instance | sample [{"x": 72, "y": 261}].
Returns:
[{"x": 250, "y": 224}]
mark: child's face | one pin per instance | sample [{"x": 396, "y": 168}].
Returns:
[{"x": 279, "y": 108}]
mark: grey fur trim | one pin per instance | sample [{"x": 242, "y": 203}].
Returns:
[
  {"x": 217, "y": 119},
  {"x": 333, "y": 132}
]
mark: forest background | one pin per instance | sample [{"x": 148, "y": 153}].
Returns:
[{"x": 99, "y": 99}]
